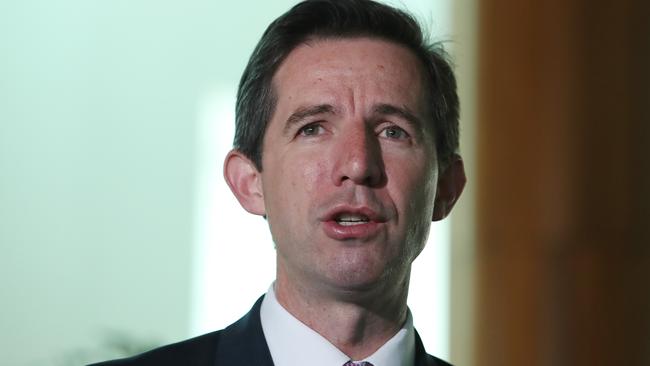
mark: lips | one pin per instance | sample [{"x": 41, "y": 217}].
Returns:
[
  {"x": 345, "y": 223},
  {"x": 351, "y": 213}
]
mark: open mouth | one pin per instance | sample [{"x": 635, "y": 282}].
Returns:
[{"x": 345, "y": 223}]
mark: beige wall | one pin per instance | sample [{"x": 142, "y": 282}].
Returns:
[{"x": 563, "y": 193}]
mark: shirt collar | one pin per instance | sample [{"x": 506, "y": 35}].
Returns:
[{"x": 293, "y": 343}]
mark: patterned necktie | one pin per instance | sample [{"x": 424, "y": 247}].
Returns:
[{"x": 362, "y": 363}]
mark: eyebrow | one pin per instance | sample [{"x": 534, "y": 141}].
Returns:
[
  {"x": 402, "y": 112},
  {"x": 303, "y": 112}
]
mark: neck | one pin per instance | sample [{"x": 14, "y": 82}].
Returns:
[{"x": 357, "y": 323}]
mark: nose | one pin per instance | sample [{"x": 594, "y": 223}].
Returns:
[{"x": 358, "y": 158}]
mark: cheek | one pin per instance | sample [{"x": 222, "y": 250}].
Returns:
[
  {"x": 304, "y": 170},
  {"x": 411, "y": 179},
  {"x": 312, "y": 176},
  {"x": 413, "y": 190},
  {"x": 295, "y": 181}
]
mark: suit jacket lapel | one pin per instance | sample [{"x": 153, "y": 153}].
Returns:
[
  {"x": 243, "y": 342},
  {"x": 421, "y": 356}
]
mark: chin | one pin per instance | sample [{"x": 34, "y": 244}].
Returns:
[{"x": 360, "y": 280}]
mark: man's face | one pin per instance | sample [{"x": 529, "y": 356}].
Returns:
[{"x": 349, "y": 165}]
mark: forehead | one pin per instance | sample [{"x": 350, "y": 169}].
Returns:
[{"x": 351, "y": 67}]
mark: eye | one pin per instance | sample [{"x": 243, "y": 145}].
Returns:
[
  {"x": 394, "y": 132},
  {"x": 312, "y": 129}
]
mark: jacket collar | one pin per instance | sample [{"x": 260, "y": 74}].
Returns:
[{"x": 243, "y": 342}]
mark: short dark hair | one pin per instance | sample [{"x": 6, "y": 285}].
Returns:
[{"x": 321, "y": 19}]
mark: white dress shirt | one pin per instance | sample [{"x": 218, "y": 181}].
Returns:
[{"x": 293, "y": 343}]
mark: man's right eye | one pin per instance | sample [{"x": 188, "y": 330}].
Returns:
[{"x": 311, "y": 129}]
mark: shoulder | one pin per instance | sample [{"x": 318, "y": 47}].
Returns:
[
  {"x": 435, "y": 361},
  {"x": 192, "y": 352},
  {"x": 242, "y": 340},
  {"x": 422, "y": 358}
]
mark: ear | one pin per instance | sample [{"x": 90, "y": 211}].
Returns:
[
  {"x": 245, "y": 182},
  {"x": 451, "y": 182}
]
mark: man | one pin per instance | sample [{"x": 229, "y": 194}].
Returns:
[{"x": 346, "y": 142}]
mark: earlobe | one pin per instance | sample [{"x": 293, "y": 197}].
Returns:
[
  {"x": 450, "y": 185},
  {"x": 245, "y": 182}
]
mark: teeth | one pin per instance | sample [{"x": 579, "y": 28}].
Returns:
[
  {"x": 350, "y": 223},
  {"x": 351, "y": 219}
]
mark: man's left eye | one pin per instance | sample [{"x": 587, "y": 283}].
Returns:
[{"x": 394, "y": 132}]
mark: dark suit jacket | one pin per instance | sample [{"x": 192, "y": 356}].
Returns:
[{"x": 241, "y": 343}]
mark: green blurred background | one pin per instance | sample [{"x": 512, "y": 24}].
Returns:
[{"x": 98, "y": 115}]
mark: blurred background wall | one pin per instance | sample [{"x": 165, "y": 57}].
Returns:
[
  {"x": 99, "y": 110},
  {"x": 563, "y": 183}
]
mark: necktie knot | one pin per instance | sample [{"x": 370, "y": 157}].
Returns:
[{"x": 362, "y": 363}]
